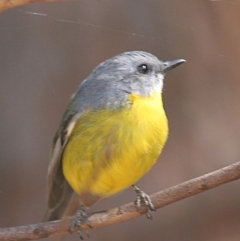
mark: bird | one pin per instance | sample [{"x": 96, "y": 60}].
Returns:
[{"x": 111, "y": 134}]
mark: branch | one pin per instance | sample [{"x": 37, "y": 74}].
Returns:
[
  {"x": 7, "y": 4},
  {"x": 127, "y": 211}
]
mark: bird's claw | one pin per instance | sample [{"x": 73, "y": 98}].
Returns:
[
  {"x": 144, "y": 199},
  {"x": 78, "y": 220}
]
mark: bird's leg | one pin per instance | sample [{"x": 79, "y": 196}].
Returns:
[
  {"x": 79, "y": 219},
  {"x": 144, "y": 199}
]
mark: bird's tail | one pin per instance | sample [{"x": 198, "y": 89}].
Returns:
[{"x": 67, "y": 207}]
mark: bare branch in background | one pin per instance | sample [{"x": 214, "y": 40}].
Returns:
[{"x": 7, "y": 4}]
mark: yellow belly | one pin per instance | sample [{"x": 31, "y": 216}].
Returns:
[{"x": 109, "y": 151}]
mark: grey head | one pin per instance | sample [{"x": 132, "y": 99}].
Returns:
[{"x": 110, "y": 84}]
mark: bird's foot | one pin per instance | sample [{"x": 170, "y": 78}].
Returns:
[
  {"x": 144, "y": 199},
  {"x": 78, "y": 220}
]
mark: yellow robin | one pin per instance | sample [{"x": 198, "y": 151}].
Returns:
[{"x": 111, "y": 134}]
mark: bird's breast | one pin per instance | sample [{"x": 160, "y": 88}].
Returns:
[{"x": 110, "y": 150}]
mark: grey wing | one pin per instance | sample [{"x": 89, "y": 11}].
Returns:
[{"x": 59, "y": 194}]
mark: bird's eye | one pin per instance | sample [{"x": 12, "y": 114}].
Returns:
[{"x": 143, "y": 69}]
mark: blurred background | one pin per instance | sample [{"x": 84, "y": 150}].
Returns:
[{"x": 47, "y": 49}]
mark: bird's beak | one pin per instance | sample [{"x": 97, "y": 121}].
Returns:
[{"x": 168, "y": 65}]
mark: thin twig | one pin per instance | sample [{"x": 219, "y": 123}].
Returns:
[
  {"x": 127, "y": 211},
  {"x": 7, "y": 4}
]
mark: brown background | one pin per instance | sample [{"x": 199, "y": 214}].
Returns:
[{"x": 43, "y": 58}]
